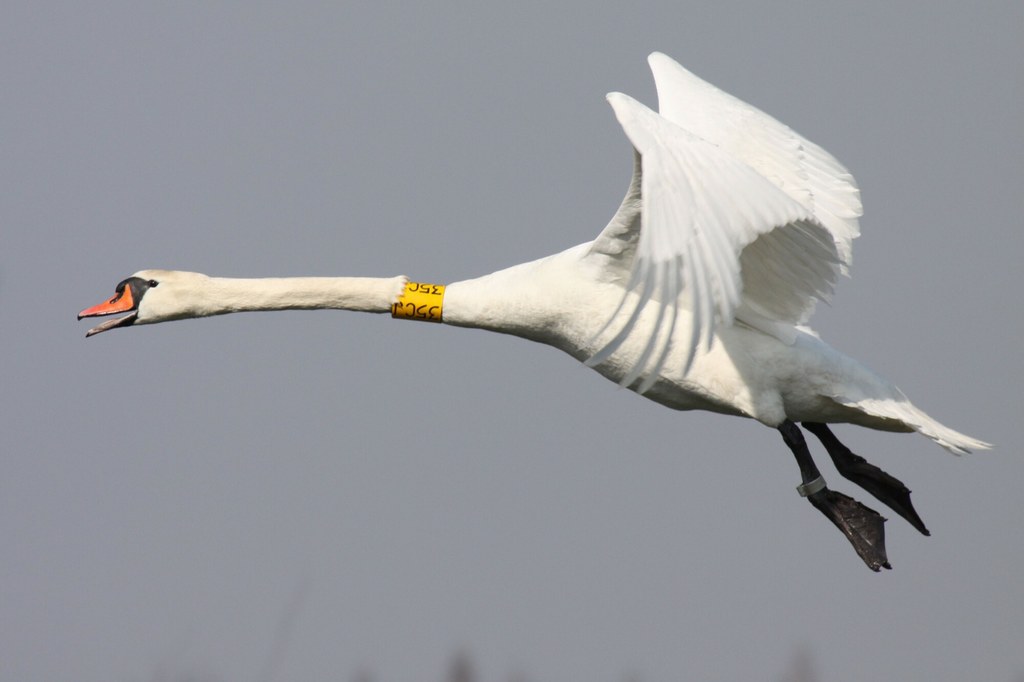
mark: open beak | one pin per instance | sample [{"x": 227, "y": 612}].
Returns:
[{"x": 123, "y": 302}]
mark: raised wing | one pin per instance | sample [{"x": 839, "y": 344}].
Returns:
[
  {"x": 794, "y": 164},
  {"x": 736, "y": 220}
]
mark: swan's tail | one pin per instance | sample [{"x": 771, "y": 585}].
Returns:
[{"x": 903, "y": 411}]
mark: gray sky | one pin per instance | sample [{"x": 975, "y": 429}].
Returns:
[{"x": 307, "y": 495}]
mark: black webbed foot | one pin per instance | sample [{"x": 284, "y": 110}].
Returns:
[
  {"x": 886, "y": 488},
  {"x": 862, "y": 526}
]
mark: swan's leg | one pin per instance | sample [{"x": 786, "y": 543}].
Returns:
[
  {"x": 861, "y": 525},
  {"x": 887, "y": 489}
]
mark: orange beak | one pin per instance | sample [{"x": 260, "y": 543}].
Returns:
[{"x": 123, "y": 302}]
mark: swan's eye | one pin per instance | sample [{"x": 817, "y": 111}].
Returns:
[{"x": 152, "y": 282}]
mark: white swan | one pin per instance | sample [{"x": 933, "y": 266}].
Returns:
[{"x": 695, "y": 294}]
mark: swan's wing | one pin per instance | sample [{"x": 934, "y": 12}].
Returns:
[
  {"x": 730, "y": 214},
  {"x": 797, "y": 166},
  {"x": 699, "y": 209}
]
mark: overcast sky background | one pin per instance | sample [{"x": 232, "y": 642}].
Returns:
[{"x": 304, "y": 496}]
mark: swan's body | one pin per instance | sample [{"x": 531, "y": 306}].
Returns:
[
  {"x": 564, "y": 300},
  {"x": 696, "y": 294}
]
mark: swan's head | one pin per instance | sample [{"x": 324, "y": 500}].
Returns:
[{"x": 151, "y": 296}]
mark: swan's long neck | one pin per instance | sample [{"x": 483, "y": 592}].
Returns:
[
  {"x": 366, "y": 294},
  {"x": 185, "y": 295}
]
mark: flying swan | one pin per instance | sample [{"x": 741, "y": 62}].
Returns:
[{"x": 695, "y": 295}]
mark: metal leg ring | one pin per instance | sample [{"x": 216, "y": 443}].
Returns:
[{"x": 808, "y": 489}]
